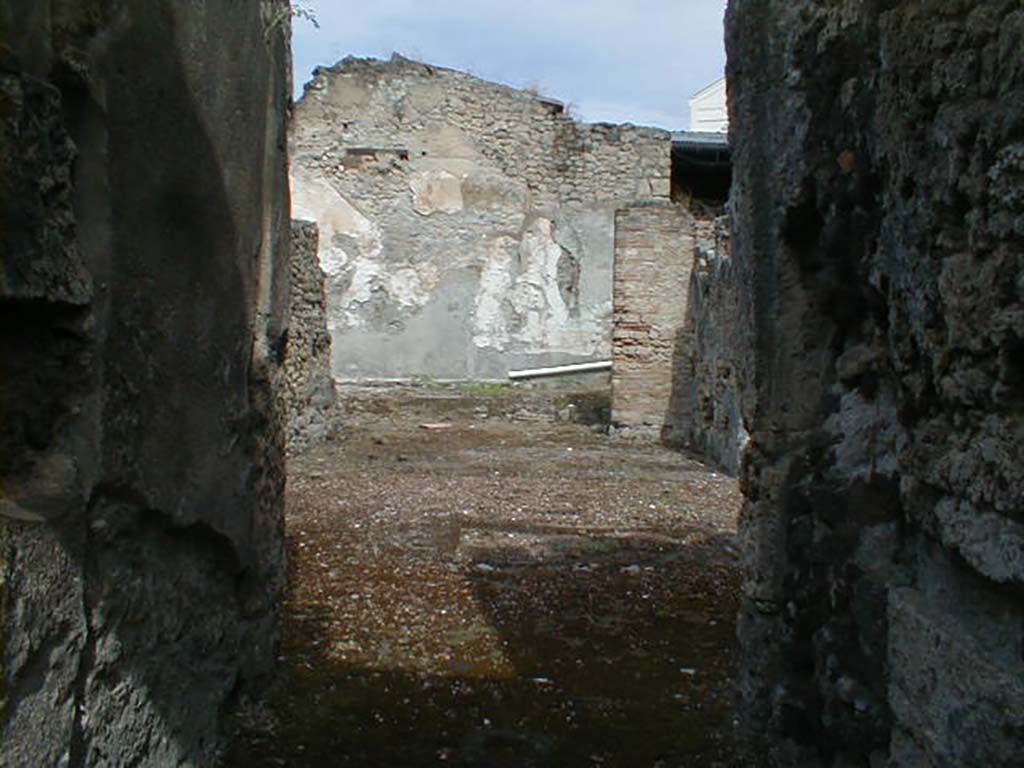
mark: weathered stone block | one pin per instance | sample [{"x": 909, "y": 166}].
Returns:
[{"x": 957, "y": 703}]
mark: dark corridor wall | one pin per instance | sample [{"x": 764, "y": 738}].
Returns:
[
  {"x": 144, "y": 240},
  {"x": 879, "y": 240}
]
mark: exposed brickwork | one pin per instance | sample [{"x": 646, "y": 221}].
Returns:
[{"x": 653, "y": 260}]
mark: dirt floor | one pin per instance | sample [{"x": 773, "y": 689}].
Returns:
[{"x": 501, "y": 593}]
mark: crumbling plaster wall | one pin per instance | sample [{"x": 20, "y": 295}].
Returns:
[
  {"x": 309, "y": 386},
  {"x": 879, "y": 169},
  {"x": 143, "y": 196},
  {"x": 466, "y": 227}
]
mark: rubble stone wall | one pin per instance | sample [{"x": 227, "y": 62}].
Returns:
[
  {"x": 713, "y": 388},
  {"x": 654, "y": 246},
  {"x": 466, "y": 227},
  {"x": 879, "y": 248},
  {"x": 309, "y": 387},
  {"x": 143, "y": 287}
]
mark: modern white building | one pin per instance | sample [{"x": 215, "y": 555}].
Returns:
[{"x": 709, "y": 112}]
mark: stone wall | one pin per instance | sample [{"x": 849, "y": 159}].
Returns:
[
  {"x": 309, "y": 388},
  {"x": 466, "y": 227},
  {"x": 678, "y": 360},
  {"x": 142, "y": 293},
  {"x": 718, "y": 368},
  {"x": 654, "y": 247},
  {"x": 878, "y": 241}
]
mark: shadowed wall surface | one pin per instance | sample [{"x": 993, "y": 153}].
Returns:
[
  {"x": 144, "y": 242},
  {"x": 878, "y": 246},
  {"x": 309, "y": 388}
]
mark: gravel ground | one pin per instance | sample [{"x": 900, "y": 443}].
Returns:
[{"x": 501, "y": 593}]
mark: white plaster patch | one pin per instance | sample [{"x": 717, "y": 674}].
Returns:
[
  {"x": 314, "y": 199},
  {"x": 532, "y": 296},
  {"x": 405, "y": 286},
  {"x": 351, "y": 278},
  {"x": 362, "y": 275},
  {"x": 490, "y": 326},
  {"x": 529, "y": 302},
  {"x": 436, "y": 192},
  {"x": 540, "y": 255}
]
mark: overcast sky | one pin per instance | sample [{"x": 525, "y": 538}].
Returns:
[{"x": 619, "y": 61}]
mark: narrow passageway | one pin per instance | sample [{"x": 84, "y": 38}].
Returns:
[{"x": 505, "y": 592}]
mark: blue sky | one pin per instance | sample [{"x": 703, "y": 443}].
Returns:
[{"x": 633, "y": 61}]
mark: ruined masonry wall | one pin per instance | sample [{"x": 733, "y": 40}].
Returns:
[
  {"x": 879, "y": 244},
  {"x": 143, "y": 290},
  {"x": 309, "y": 388},
  {"x": 466, "y": 227},
  {"x": 718, "y": 367},
  {"x": 651, "y": 348}
]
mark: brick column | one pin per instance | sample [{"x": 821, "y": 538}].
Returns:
[{"x": 653, "y": 262}]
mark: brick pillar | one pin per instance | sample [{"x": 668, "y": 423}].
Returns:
[{"x": 653, "y": 260}]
